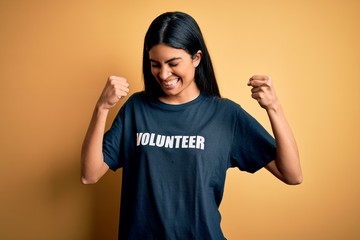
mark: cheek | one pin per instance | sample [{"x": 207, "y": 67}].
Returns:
[
  {"x": 185, "y": 72},
  {"x": 190, "y": 73}
]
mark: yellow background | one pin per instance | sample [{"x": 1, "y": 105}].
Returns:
[{"x": 55, "y": 57}]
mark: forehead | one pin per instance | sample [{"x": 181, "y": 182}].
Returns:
[{"x": 164, "y": 52}]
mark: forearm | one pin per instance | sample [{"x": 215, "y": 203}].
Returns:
[
  {"x": 287, "y": 161},
  {"x": 92, "y": 161}
]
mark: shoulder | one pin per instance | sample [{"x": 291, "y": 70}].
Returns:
[
  {"x": 135, "y": 99},
  {"x": 137, "y": 96},
  {"x": 230, "y": 103},
  {"x": 233, "y": 109},
  {"x": 224, "y": 103}
]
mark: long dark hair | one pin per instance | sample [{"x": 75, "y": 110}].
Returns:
[{"x": 178, "y": 30}]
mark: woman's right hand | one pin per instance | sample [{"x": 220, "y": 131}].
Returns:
[{"x": 115, "y": 89}]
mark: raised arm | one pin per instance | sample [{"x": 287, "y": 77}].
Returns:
[
  {"x": 93, "y": 166},
  {"x": 286, "y": 166}
]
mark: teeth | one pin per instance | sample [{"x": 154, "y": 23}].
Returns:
[{"x": 172, "y": 82}]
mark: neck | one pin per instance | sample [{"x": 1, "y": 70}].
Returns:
[{"x": 178, "y": 99}]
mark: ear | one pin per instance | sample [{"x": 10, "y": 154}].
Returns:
[{"x": 197, "y": 58}]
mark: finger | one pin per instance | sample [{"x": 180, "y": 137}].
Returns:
[
  {"x": 119, "y": 83},
  {"x": 260, "y": 83},
  {"x": 258, "y": 80},
  {"x": 256, "y": 83},
  {"x": 114, "y": 80},
  {"x": 121, "y": 91},
  {"x": 258, "y": 96},
  {"x": 260, "y": 77},
  {"x": 124, "y": 89},
  {"x": 256, "y": 89}
]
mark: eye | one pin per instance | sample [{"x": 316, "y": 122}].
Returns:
[
  {"x": 173, "y": 64},
  {"x": 155, "y": 65}
]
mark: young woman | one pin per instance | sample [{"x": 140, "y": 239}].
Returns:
[{"x": 176, "y": 139}]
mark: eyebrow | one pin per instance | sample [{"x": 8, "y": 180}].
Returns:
[{"x": 167, "y": 61}]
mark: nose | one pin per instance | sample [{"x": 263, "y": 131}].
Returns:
[{"x": 164, "y": 73}]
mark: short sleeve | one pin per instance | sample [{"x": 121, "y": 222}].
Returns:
[
  {"x": 253, "y": 147},
  {"x": 112, "y": 143}
]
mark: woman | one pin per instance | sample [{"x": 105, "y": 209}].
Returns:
[{"x": 176, "y": 139}]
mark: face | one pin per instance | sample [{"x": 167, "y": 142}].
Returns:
[{"x": 174, "y": 70}]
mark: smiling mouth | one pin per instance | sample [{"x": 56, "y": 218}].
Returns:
[{"x": 171, "y": 83}]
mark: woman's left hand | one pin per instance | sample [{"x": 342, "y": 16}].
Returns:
[
  {"x": 263, "y": 91},
  {"x": 287, "y": 163}
]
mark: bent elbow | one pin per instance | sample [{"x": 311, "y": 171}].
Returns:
[
  {"x": 295, "y": 180},
  {"x": 88, "y": 181}
]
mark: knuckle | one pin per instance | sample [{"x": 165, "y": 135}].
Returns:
[{"x": 112, "y": 78}]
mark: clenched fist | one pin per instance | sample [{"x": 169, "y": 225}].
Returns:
[
  {"x": 263, "y": 91},
  {"x": 115, "y": 89}
]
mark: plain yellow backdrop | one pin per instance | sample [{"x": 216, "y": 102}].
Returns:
[{"x": 55, "y": 57}]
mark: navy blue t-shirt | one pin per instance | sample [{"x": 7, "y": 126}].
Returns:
[{"x": 174, "y": 160}]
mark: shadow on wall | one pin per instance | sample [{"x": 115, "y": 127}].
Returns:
[
  {"x": 89, "y": 212},
  {"x": 106, "y": 207}
]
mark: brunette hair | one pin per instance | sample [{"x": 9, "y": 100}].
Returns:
[{"x": 178, "y": 30}]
